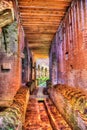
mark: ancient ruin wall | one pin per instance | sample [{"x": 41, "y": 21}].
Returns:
[{"x": 71, "y": 47}]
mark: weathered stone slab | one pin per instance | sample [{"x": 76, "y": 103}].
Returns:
[
  {"x": 72, "y": 104},
  {"x": 13, "y": 117}
]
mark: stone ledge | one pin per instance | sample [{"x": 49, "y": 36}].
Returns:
[
  {"x": 72, "y": 104},
  {"x": 56, "y": 118}
]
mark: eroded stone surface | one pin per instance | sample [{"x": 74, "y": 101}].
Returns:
[
  {"x": 10, "y": 34},
  {"x": 57, "y": 120},
  {"x": 72, "y": 104},
  {"x": 14, "y": 116},
  {"x": 6, "y": 13}
]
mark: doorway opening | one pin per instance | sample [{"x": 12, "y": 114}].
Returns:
[{"x": 42, "y": 71}]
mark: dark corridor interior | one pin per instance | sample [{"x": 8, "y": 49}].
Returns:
[{"x": 43, "y": 64}]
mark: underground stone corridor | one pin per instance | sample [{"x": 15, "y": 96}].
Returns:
[{"x": 43, "y": 64}]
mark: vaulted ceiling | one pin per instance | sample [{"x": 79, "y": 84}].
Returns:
[{"x": 40, "y": 20}]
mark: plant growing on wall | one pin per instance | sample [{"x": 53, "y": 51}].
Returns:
[{"x": 10, "y": 33}]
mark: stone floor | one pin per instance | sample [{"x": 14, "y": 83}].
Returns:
[
  {"x": 36, "y": 116},
  {"x": 42, "y": 114},
  {"x": 56, "y": 118}
]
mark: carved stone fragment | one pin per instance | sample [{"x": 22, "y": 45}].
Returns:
[{"x": 6, "y": 13}]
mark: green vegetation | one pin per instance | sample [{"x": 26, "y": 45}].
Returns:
[{"x": 42, "y": 81}]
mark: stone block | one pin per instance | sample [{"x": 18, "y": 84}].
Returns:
[
  {"x": 6, "y": 66},
  {"x": 72, "y": 104},
  {"x": 13, "y": 117}
]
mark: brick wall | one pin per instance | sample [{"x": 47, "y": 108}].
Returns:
[
  {"x": 10, "y": 64},
  {"x": 71, "y": 43},
  {"x": 9, "y": 78},
  {"x": 12, "y": 44}
]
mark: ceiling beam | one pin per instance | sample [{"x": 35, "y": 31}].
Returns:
[
  {"x": 40, "y": 49},
  {"x": 36, "y": 45},
  {"x": 41, "y": 12},
  {"x": 39, "y": 16},
  {"x": 40, "y": 19},
  {"x": 44, "y": 48},
  {"x": 40, "y": 9},
  {"x": 33, "y": 33},
  {"x": 40, "y": 35},
  {"x": 42, "y": 15},
  {"x": 40, "y": 30},
  {"x": 48, "y": 0},
  {"x": 39, "y": 42},
  {"x": 43, "y": 27},
  {"x": 36, "y": 30},
  {"x": 40, "y": 23},
  {"x": 40, "y": 39},
  {"x": 43, "y": 7},
  {"x": 42, "y": 3}
]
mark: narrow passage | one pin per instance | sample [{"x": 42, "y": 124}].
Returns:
[{"x": 42, "y": 114}]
